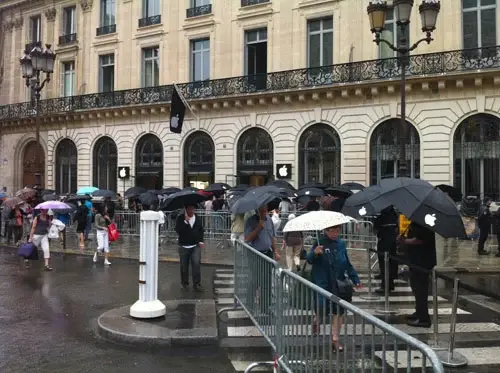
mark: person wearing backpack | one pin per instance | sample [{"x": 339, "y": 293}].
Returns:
[{"x": 81, "y": 222}]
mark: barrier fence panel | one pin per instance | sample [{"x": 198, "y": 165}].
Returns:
[{"x": 294, "y": 316}]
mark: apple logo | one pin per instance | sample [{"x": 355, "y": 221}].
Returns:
[
  {"x": 283, "y": 171},
  {"x": 362, "y": 211},
  {"x": 123, "y": 172},
  {"x": 174, "y": 122},
  {"x": 430, "y": 220},
  {"x": 307, "y": 193}
]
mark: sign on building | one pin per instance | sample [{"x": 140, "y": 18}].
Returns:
[{"x": 284, "y": 171}]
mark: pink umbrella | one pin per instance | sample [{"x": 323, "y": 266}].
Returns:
[{"x": 52, "y": 205}]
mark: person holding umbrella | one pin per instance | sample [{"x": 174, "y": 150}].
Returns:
[
  {"x": 484, "y": 223},
  {"x": 189, "y": 228},
  {"x": 39, "y": 235}
]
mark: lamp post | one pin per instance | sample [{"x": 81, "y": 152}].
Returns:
[
  {"x": 33, "y": 63},
  {"x": 377, "y": 11}
]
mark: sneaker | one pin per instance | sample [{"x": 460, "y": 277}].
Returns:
[
  {"x": 107, "y": 262},
  {"x": 198, "y": 288},
  {"x": 95, "y": 257},
  {"x": 48, "y": 268}
]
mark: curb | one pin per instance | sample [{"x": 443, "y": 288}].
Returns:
[{"x": 116, "y": 326}]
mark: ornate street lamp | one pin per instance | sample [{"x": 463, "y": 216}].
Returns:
[
  {"x": 33, "y": 64},
  {"x": 377, "y": 10}
]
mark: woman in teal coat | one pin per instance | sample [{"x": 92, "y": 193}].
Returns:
[{"x": 330, "y": 264}]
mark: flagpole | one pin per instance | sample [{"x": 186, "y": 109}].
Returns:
[{"x": 184, "y": 101}]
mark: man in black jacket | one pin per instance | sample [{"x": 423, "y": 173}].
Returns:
[{"x": 189, "y": 227}]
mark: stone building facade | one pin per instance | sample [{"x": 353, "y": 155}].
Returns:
[{"x": 296, "y": 82}]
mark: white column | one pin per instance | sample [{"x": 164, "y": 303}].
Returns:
[{"x": 148, "y": 306}]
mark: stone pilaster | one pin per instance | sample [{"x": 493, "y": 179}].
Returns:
[
  {"x": 17, "y": 90},
  {"x": 5, "y": 65},
  {"x": 50, "y": 38}
]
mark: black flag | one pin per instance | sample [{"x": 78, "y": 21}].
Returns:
[{"x": 177, "y": 111}]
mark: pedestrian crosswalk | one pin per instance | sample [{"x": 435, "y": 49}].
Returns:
[{"x": 477, "y": 333}]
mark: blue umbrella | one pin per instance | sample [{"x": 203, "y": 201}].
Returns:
[{"x": 87, "y": 190}]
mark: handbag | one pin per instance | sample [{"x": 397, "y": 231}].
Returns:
[
  {"x": 113, "y": 233},
  {"x": 345, "y": 288},
  {"x": 53, "y": 232},
  {"x": 28, "y": 251}
]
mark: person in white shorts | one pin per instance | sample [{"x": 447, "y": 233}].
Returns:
[{"x": 102, "y": 221}]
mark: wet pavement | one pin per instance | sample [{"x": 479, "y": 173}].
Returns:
[{"x": 48, "y": 319}]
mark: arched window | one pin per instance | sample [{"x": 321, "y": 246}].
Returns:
[
  {"x": 66, "y": 167},
  {"x": 319, "y": 155},
  {"x": 199, "y": 164},
  {"x": 33, "y": 164},
  {"x": 255, "y": 157},
  {"x": 385, "y": 151},
  {"x": 105, "y": 164},
  {"x": 477, "y": 156},
  {"x": 149, "y": 162}
]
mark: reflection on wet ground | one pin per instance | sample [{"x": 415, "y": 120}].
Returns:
[{"x": 48, "y": 319}]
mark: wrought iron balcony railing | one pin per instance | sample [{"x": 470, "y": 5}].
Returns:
[
  {"x": 104, "y": 30},
  {"x": 199, "y": 11},
  {"x": 245, "y": 3},
  {"x": 150, "y": 21},
  {"x": 451, "y": 62},
  {"x": 67, "y": 39}
]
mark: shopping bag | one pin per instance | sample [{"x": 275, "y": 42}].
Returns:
[
  {"x": 53, "y": 232},
  {"x": 113, "y": 233},
  {"x": 27, "y": 250}
]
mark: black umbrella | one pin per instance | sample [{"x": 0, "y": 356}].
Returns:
[
  {"x": 339, "y": 191},
  {"x": 148, "y": 198},
  {"x": 282, "y": 184},
  {"x": 365, "y": 203},
  {"x": 183, "y": 198},
  {"x": 218, "y": 187},
  {"x": 134, "y": 192},
  {"x": 50, "y": 197},
  {"x": 169, "y": 190},
  {"x": 104, "y": 193},
  {"x": 48, "y": 191},
  {"x": 454, "y": 193},
  {"x": 311, "y": 192},
  {"x": 288, "y": 193},
  {"x": 190, "y": 189},
  {"x": 424, "y": 204},
  {"x": 77, "y": 197},
  {"x": 353, "y": 186},
  {"x": 256, "y": 198},
  {"x": 240, "y": 188},
  {"x": 313, "y": 185}
]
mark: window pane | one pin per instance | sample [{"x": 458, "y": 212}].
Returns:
[
  {"x": 314, "y": 25},
  {"x": 197, "y": 66},
  {"x": 328, "y": 24},
  {"x": 263, "y": 34},
  {"x": 387, "y": 34},
  {"x": 315, "y": 50},
  {"x": 156, "y": 72},
  {"x": 488, "y": 28},
  {"x": 148, "y": 73},
  {"x": 469, "y": 3},
  {"x": 487, "y": 2},
  {"x": 470, "y": 30},
  {"x": 327, "y": 48},
  {"x": 251, "y": 36},
  {"x": 389, "y": 16},
  {"x": 206, "y": 65}
]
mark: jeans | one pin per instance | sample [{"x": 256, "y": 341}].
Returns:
[
  {"x": 88, "y": 227},
  {"x": 193, "y": 255},
  {"x": 419, "y": 282}
]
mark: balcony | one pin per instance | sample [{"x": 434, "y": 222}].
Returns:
[
  {"x": 67, "y": 39},
  {"x": 150, "y": 21},
  {"x": 105, "y": 30},
  {"x": 199, "y": 11},
  {"x": 245, "y": 3},
  {"x": 432, "y": 65}
]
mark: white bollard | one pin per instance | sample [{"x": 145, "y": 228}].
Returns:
[{"x": 148, "y": 306}]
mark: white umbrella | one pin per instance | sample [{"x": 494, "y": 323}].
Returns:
[{"x": 316, "y": 221}]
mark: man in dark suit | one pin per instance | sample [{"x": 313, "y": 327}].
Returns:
[
  {"x": 189, "y": 227},
  {"x": 421, "y": 254}
]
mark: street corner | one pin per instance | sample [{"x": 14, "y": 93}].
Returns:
[{"x": 186, "y": 323}]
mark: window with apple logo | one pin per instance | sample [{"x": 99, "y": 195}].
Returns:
[
  {"x": 199, "y": 162},
  {"x": 476, "y": 154},
  {"x": 105, "y": 164},
  {"x": 385, "y": 151},
  {"x": 255, "y": 157},
  {"x": 319, "y": 155},
  {"x": 149, "y": 162}
]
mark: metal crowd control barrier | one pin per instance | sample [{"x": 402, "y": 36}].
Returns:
[
  {"x": 293, "y": 315},
  {"x": 387, "y": 308}
]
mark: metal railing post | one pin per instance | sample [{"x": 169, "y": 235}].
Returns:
[
  {"x": 450, "y": 358},
  {"x": 386, "y": 310},
  {"x": 370, "y": 295},
  {"x": 435, "y": 343}
]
